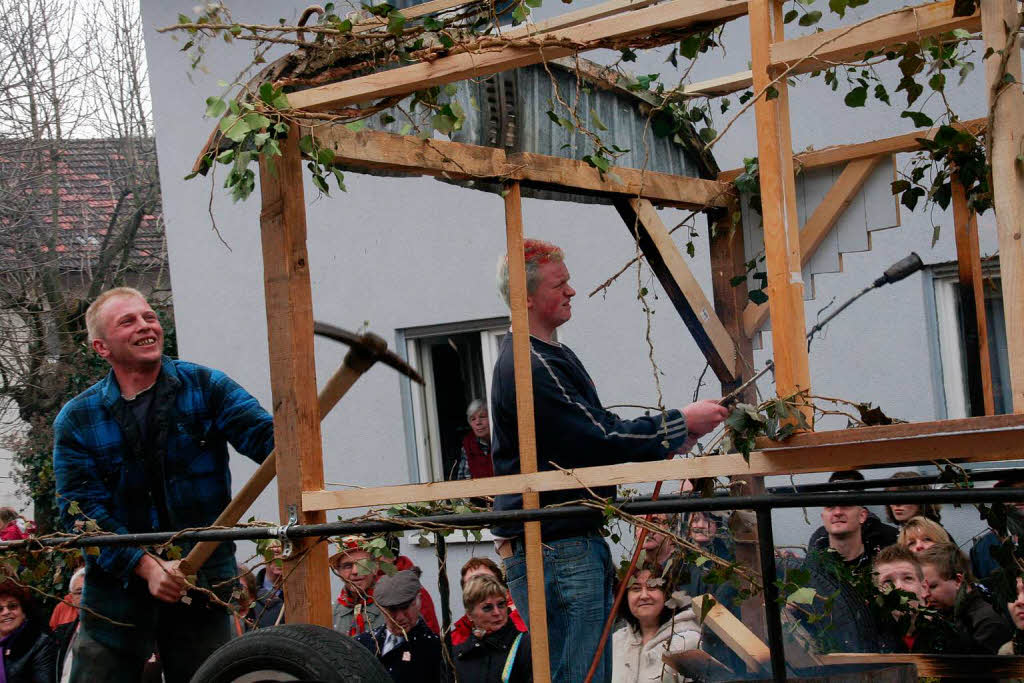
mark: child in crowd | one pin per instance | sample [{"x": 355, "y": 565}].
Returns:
[
  {"x": 947, "y": 573},
  {"x": 895, "y": 568},
  {"x": 921, "y": 533},
  {"x": 901, "y": 513}
]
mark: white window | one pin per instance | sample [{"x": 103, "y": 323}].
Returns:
[
  {"x": 456, "y": 362},
  {"x": 952, "y": 352}
]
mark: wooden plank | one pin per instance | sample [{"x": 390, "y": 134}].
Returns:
[
  {"x": 886, "y": 30},
  {"x": 972, "y": 305},
  {"x": 527, "y": 435},
  {"x": 723, "y": 85},
  {"x": 1006, "y": 102},
  {"x": 939, "y": 666},
  {"x": 778, "y": 201},
  {"x": 577, "y": 17},
  {"x": 677, "y": 14},
  {"x": 818, "y": 225},
  {"x": 421, "y": 10},
  {"x": 830, "y": 156},
  {"x": 734, "y": 634},
  {"x": 976, "y": 439},
  {"x": 372, "y": 150},
  {"x": 289, "y": 304},
  {"x": 687, "y": 296},
  {"x": 726, "y": 251}
]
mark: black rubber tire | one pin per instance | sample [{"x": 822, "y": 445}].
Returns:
[{"x": 293, "y": 652}]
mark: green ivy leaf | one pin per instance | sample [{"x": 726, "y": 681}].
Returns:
[
  {"x": 920, "y": 119},
  {"x": 802, "y": 596},
  {"x": 396, "y": 25},
  {"x": 707, "y": 134},
  {"x": 838, "y": 6},
  {"x": 789, "y": 16},
  {"x": 689, "y": 47},
  {"x": 770, "y": 93},
  {"x": 598, "y": 123},
  {"x": 937, "y": 82},
  {"x": 757, "y": 296},
  {"x": 215, "y": 107},
  {"x": 856, "y": 97},
  {"x": 810, "y": 19}
]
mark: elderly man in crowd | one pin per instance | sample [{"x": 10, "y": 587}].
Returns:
[
  {"x": 355, "y": 611},
  {"x": 143, "y": 450},
  {"x": 573, "y": 430},
  {"x": 407, "y": 648}
]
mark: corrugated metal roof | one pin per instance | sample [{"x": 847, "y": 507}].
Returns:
[{"x": 509, "y": 111}]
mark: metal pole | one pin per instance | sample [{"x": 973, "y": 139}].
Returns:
[
  {"x": 483, "y": 519},
  {"x": 766, "y": 549}
]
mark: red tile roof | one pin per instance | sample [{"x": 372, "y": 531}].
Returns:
[{"x": 94, "y": 174}]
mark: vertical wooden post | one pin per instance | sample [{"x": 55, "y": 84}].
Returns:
[
  {"x": 778, "y": 200},
  {"x": 527, "y": 435},
  {"x": 1006, "y": 103},
  {"x": 727, "y": 261},
  {"x": 307, "y": 588},
  {"x": 972, "y": 305}
]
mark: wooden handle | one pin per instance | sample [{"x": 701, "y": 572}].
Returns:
[{"x": 337, "y": 386}]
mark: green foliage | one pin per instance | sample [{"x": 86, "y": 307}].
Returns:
[{"x": 776, "y": 419}]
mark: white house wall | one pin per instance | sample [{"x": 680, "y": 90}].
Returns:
[{"x": 407, "y": 252}]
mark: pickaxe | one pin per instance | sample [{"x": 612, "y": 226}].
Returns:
[{"x": 364, "y": 350}]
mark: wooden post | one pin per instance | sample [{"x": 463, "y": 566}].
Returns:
[
  {"x": 778, "y": 200},
  {"x": 1006, "y": 103},
  {"x": 527, "y": 436},
  {"x": 307, "y": 587},
  {"x": 972, "y": 305},
  {"x": 728, "y": 261}
]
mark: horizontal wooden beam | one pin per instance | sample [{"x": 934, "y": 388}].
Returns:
[
  {"x": 837, "y": 154},
  {"x": 974, "y": 439},
  {"x": 723, "y": 85},
  {"x": 673, "y": 15},
  {"x": 818, "y": 225},
  {"x": 939, "y": 666},
  {"x": 577, "y": 17},
  {"x": 371, "y": 150},
  {"x": 685, "y": 292},
  {"x": 875, "y": 34}
]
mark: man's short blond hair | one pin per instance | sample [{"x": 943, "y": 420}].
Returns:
[{"x": 92, "y": 314}]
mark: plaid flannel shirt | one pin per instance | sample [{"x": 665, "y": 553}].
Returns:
[{"x": 101, "y": 468}]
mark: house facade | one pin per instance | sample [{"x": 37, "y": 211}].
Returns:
[{"x": 413, "y": 260}]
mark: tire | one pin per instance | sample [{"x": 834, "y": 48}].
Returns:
[{"x": 293, "y": 652}]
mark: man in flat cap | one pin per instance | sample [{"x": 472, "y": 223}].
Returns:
[{"x": 405, "y": 645}]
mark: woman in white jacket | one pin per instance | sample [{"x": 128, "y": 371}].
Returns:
[{"x": 652, "y": 630}]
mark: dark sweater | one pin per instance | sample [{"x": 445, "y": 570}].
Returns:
[{"x": 573, "y": 430}]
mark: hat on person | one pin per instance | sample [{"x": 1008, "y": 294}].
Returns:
[
  {"x": 398, "y": 588},
  {"x": 346, "y": 544}
]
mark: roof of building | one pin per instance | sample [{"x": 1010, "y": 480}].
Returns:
[{"x": 101, "y": 182}]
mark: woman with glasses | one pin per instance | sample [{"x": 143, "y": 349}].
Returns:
[
  {"x": 27, "y": 653},
  {"x": 497, "y": 651}
]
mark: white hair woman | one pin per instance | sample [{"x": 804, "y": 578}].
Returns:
[{"x": 475, "y": 457}]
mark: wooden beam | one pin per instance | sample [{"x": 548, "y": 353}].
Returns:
[
  {"x": 939, "y": 666},
  {"x": 677, "y": 14},
  {"x": 421, "y": 10},
  {"x": 975, "y": 439},
  {"x": 830, "y": 156},
  {"x": 685, "y": 292},
  {"x": 971, "y": 288},
  {"x": 1006, "y": 102},
  {"x": 778, "y": 200},
  {"x": 723, "y": 85},
  {"x": 735, "y": 635},
  {"x": 728, "y": 261},
  {"x": 523, "y": 368},
  {"x": 875, "y": 34},
  {"x": 577, "y": 17},
  {"x": 818, "y": 225},
  {"x": 370, "y": 150},
  {"x": 289, "y": 304}
]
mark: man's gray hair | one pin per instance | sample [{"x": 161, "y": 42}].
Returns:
[
  {"x": 537, "y": 254},
  {"x": 474, "y": 407}
]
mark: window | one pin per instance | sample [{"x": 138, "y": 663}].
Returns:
[
  {"x": 456, "y": 362},
  {"x": 949, "y": 326}
]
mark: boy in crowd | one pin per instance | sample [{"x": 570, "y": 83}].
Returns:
[
  {"x": 948, "y": 577},
  {"x": 895, "y": 568}
]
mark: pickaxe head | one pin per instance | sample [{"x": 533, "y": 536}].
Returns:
[{"x": 365, "y": 350}]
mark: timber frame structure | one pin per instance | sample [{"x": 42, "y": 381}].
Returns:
[{"x": 722, "y": 329}]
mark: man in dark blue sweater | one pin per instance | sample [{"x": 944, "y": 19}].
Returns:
[{"x": 573, "y": 430}]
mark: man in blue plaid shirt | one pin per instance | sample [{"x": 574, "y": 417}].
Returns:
[{"x": 145, "y": 449}]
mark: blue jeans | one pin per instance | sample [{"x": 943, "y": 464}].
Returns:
[{"x": 578, "y": 575}]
